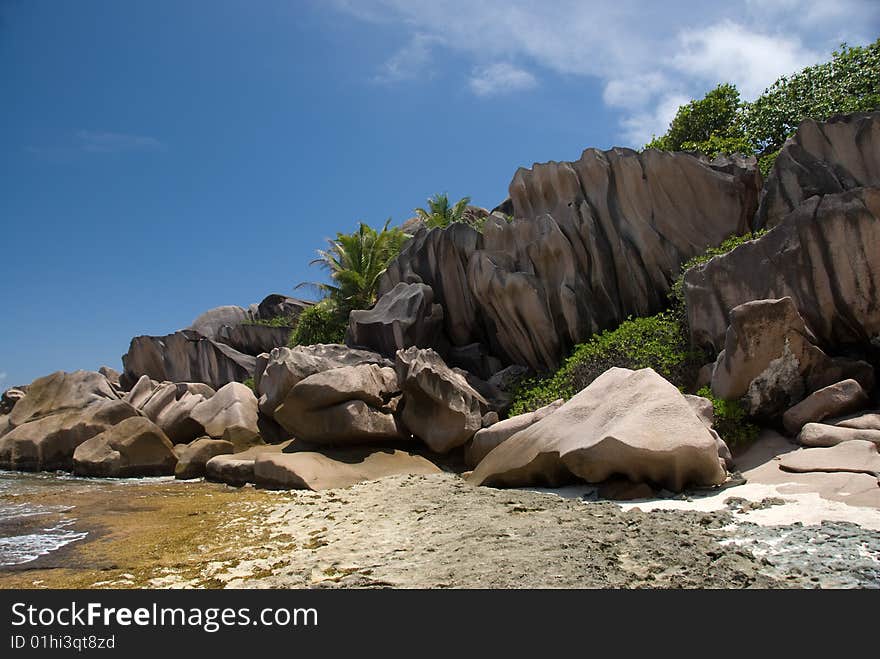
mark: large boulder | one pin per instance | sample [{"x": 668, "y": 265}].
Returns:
[
  {"x": 61, "y": 391},
  {"x": 236, "y": 469},
  {"x": 284, "y": 367},
  {"x": 823, "y": 256},
  {"x": 252, "y": 339},
  {"x": 134, "y": 447},
  {"x": 834, "y": 400},
  {"x": 487, "y": 439},
  {"x": 170, "y": 407},
  {"x": 10, "y": 397},
  {"x": 209, "y": 323},
  {"x": 404, "y": 316},
  {"x": 823, "y": 435},
  {"x": 439, "y": 406},
  {"x": 275, "y": 305},
  {"x": 185, "y": 356},
  {"x": 822, "y": 157},
  {"x": 331, "y": 470},
  {"x": 345, "y": 405},
  {"x": 192, "y": 459},
  {"x": 856, "y": 456},
  {"x": 769, "y": 359},
  {"x": 626, "y": 423},
  {"x": 48, "y": 443},
  {"x": 230, "y": 414},
  {"x": 593, "y": 241}
]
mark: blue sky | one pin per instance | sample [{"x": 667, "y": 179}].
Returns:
[{"x": 161, "y": 158}]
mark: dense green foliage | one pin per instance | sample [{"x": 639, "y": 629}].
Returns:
[
  {"x": 277, "y": 321},
  {"x": 657, "y": 342},
  {"x": 721, "y": 123},
  {"x": 323, "y": 323},
  {"x": 250, "y": 384},
  {"x": 439, "y": 212},
  {"x": 731, "y": 421},
  {"x": 355, "y": 262}
]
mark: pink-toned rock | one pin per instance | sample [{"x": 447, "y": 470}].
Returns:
[{"x": 834, "y": 400}]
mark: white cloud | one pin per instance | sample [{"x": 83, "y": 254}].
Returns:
[
  {"x": 409, "y": 62},
  {"x": 104, "y": 142},
  {"x": 500, "y": 78},
  {"x": 728, "y": 51},
  {"x": 640, "y": 127},
  {"x": 642, "y": 54}
]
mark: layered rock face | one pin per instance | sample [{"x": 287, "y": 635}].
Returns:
[
  {"x": 593, "y": 242},
  {"x": 219, "y": 347},
  {"x": 821, "y": 158},
  {"x": 823, "y": 255}
]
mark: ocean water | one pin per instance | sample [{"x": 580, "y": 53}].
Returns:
[{"x": 29, "y": 530}]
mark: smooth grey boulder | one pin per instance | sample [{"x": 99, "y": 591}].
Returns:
[
  {"x": 230, "y": 414},
  {"x": 209, "y": 323},
  {"x": 185, "y": 356},
  {"x": 625, "y": 423},
  {"x": 132, "y": 448},
  {"x": 822, "y": 157},
  {"x": 439, "y": 406},
  {"x": 404, "y": 316},
  {"x": 275, "y": 305},
  {"x": 770, "y": 362},
  {"x": 287, "y": 366},
  {"x": 488, "y": 438},
  {"x": 593, "y": 241},
  {"x": 824, "y": 435},
  {"x": 253, "y": 339},
  {"x": 48, "y": 442},
  {"x": 833, "y": 400},
  {"x": 823, "y": 256},
  {"x": 342, "y": 406},
  {"x": 192, "y": 459},
  {"x": 61, "y": 391}
]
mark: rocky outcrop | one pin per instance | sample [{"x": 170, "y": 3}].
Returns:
[
  {"x": 330, "y": 470},
  {"x": 833, "y": 400},
  {"x": 60, "y": 392},
  {"x": 821, "y": 158},
  {"x": 770, "y": 362},
  {"x": 284, "y": 367},
  {"x": 404, "y": 316},
  {"x": 439, "y": 406},
  {"x": 192, "y": 459},
  {"x": 823, "y": 256},
  {"x": 185, "y": 356},
  {"x": 170, "y": 406},
  {"x": 487, "y": 439},
  {"x": 345, "y": 405},
  {"x": 857, "y": 456},
  {"x": 825, "y": 435},
  {"x": 10, "y": 397},
  {"x": 281, "y": 306},
  {"x": 231, "y": 414},
  {"x": 253, "y": 339},
  {"x": 629, "y": 423},
  {"x": 238, "y": 468},
  {"x": 593, "y": 242},
  {"x": 135, "y": 447}
]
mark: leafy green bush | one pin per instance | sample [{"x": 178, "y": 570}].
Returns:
[
  {"x": 249, "y": 383},
  {"x": 657, "y": 342},
  {"x": 721, "y": 123},
  {"x": 731, "y": 420},
  {"x": 277, "y": 321},
  {"x": 322, "y": 323}
]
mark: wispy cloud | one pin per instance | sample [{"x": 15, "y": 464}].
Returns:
[
  {"x": 644, "y": 55},
  {"x": 3, "y": 376},
  {"x": 500, "y": 78},
  {"x": 104, "y": 142}
]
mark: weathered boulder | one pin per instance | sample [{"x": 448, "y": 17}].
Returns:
[
  {"x": 253, "y": 339},
  {"x": 344, "y": 405},
  {"x": 211, "y": 321},
  {"x": 111, "y": 374},
  {"x": 237, "y": 469},
  {"x": 61, "y": 391},
  {"x": 191, "y": 460},
  {"x": 856, "y": 455},
  {"x": 230, "y": 414},
  {"x": 593, "y": 242},
  {"x": 626, "y": 423},
  {"x": 769, "y": 359},
  {"x": 703, "y": 408},
  {"x": 287, "y": 366},
  {"x": 330, "y": 470},
  {"x": 823, "y": 435},
  {"x": 171, "y": 407},
  {"x": 823, "y": 256},
  {"x": 48, "y": 442},
  {"x": 281, "y": 306},
  {"x": 833, "y": 400},
  {"x": 185, "y": 356},
  {"x": 440, "y": 407},
  {"x": 861, "y": 421},
  {"x": 822, "y": 157},
  {"x": 487, "y": 439},
  {"x": 10, "y": 397},
  {"x": 404, "y": 316},
  {"x": 133, "y": 447},
  {"x": 141, "y": 391}
]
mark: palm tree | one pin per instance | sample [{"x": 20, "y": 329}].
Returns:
[
  {"x": 440, "y": 213},
  {"x": 355, "y": 262}
]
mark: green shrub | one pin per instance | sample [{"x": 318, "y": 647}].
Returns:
[
  {"x": 731, "y": 420},
  {"x": 709, "y": 125},
  {"x": 657, "y": 342},
  {"x": 322, "y": 323},
  {"x": 277, "y": 321},
  {"x": 249, "y": 383}
]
